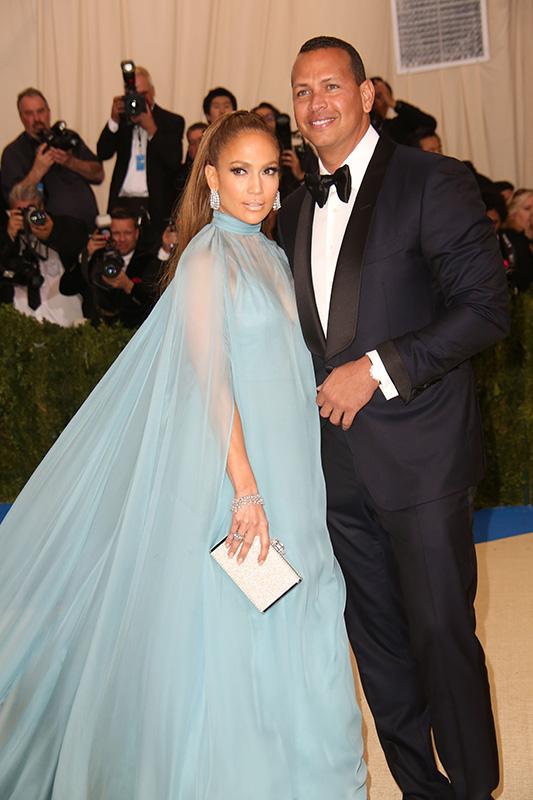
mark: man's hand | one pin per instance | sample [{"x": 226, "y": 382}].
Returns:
[
  {"x": 92, "y": 171},
  {"x": 62, "y": 157},
  {"x": 96, "y": 242},
  {"x": 146, "y": 121},
  {"x": 169, "y": 239},
  {"x": 346, "y": 390},
  {"x": 120, "y": 282},
  {"x": 15, "y": 223},
  {"x": 291, "y": 160},
  {"x": 117, "y": 108},
  {"x": 42, "y": 163}
]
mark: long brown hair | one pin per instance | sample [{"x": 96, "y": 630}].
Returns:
[{"x": 193, "y": 210}]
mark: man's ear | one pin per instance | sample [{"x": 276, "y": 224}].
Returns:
[
  {"x": 367, "y": 95},
  {"x": 211, "y": 176}
]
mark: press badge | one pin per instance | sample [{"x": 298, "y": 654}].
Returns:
[{"x": 140, "y": 162}]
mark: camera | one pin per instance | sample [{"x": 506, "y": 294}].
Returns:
[
  {"x": 60, "y": 136},
  {"x": 283, "y": 131},
  {"x": 22, "y": 268},
  {"x": 34, "y": 216},
  {"x": 134, "y": 102},
  {"x": 106, "y": 262},
  {"x": 112, "y": 262}
]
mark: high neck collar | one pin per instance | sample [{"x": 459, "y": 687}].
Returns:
[{"x": 233, "y": 225}]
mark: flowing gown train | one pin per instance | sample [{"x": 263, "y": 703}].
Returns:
[{"x": 131, "y": 667}]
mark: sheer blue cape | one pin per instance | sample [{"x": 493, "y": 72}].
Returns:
[{"x": 131, "y": 667}]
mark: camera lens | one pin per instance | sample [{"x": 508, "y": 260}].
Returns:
[{"x": 36, "y": 217}]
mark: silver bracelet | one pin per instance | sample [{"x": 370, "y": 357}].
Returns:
[{"x": 246, "y": 500}]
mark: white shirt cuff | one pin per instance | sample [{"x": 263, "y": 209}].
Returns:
[
  {"x": 163, "y": 255},
  {"x": 112, "y": 125},
  {"x": 387, "y": 387}
]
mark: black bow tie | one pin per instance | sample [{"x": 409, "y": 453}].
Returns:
[{"x": 319, "y": 185}]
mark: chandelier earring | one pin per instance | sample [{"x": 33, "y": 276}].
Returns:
[
  {"x": 214, "y": 200},
  {"x": 277, "y": 202}
]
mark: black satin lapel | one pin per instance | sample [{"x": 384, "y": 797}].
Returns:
[
  {"x": 344, "y": 303},
  {"x": 303, "y": 280}
]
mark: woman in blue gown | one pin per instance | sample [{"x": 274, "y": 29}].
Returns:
[{"x": 131, "y": 666}]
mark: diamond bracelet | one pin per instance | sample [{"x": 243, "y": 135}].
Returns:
[{"x": 246, "y": 500}]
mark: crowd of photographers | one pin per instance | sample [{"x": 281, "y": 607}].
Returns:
[{"x": 62, "y": 262}]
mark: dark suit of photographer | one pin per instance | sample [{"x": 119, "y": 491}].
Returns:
[
  {"x": 127, "y": 298},
  {"x": 149, "y": 150}
]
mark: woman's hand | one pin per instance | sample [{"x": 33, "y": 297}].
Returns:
[{"x": 248, "y": 522}]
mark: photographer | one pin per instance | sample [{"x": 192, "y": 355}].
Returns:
[
  {"x": 194, "y": 136},
  {"x": 148, "y": 147},
  {"x": 406, "y": 118},
  {"x": 35, "y": 248},
  {"x": 62, "y": 167},
  {"x": 119, "y": 282},
  {"x": 295, "y": 161}
]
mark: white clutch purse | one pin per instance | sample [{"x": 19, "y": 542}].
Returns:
[{"x": 263, "y": 584}]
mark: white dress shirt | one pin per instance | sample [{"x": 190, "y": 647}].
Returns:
[
  {"x": 329, "y": 226},
  {"x": 55, "y": 307},
  {"x": 135, "y": 183}
]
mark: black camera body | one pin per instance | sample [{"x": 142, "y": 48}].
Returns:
[
  {"x": 105, "y": 262},
  {"x": 283, "y": 131},
  {"x": 60, "y": 136},
  {"x": 34, "y": 216},
  {"x": 134, "y": 102},
  {"x": 112, "y": 261},
  {"x": 23, "y": 270}
]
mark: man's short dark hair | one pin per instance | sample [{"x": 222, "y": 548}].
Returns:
[
  {"x": 323, "y": 42},
  {"x": 502, "y": 186},
  {"x": 124, "y": 213},
  {"x": 218, "y": 92},
  {"x": 376, "y": 78},
  {"x": 270, "y": 107},
  {"x": 495, "y": 202},
  {"x": 419, "y": 134},
  {"x": 31, "y": 92},
  {"x": 197, "y": 126}
]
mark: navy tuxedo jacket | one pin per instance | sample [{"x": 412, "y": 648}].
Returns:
[{"x": 419, "y": 278}]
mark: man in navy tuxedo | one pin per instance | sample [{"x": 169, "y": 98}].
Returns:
[{"x": 399, "y": 282}]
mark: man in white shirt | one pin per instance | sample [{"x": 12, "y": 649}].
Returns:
[
  {"x": 33, "y": 258},
  {"x": 398, "y": 283},
  {"x": 149, "y": 150}
]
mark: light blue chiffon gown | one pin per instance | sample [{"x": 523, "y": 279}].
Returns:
[{"x": 131, "y": 667}]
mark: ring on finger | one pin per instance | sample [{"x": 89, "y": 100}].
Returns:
[{"x": 238, "y": 537}]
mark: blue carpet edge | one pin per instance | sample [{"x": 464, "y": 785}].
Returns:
[{"x": 490, "y": 524}]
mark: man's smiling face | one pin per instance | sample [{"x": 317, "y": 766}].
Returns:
[{"x": 331, "y": 109}]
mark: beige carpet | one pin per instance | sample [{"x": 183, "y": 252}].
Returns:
[{"x": 505, "y": 627}]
